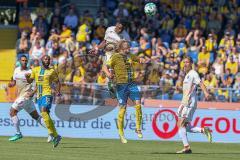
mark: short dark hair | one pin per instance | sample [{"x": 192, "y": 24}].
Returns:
[
  {"x": 122, "y": 22},
  {"x": 189, "y": 58},
  {"x": 23, "y": 56},
  {"x": 46, "y": 56}
]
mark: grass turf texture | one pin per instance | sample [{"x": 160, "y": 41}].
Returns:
[{"x": 30, "y": 148}]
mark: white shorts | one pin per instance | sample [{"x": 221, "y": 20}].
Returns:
[
  {"x": 24, "y": 103},
  {"x": 187, "y": 112}
]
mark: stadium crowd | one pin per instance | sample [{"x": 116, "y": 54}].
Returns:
[{"x": 206, "y": 30}]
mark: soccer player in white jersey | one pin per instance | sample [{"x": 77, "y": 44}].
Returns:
[
  {"x": 189, "y": 105},
  {"x": 113, "y": 36},
  {"x": 24, "y": 100}
]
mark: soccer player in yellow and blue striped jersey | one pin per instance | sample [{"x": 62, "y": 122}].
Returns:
[
  {"x": 44, "y": 76},
  {"x": 125, "y": 86}
]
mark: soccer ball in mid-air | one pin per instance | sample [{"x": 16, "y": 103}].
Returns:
[{"x": 150, "y": 9}]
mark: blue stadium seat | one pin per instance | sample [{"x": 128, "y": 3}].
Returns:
[
  {"x": 212, "y": 57},
  {"x": 222, "y": 98},
  {"x": 166, "y": 44},
  {"x": 177, "y": 96},
  {"x": 181, "y": 45},
  {"x": 234, "y": 99},
  {"x": 193, "y": 55},
  {"x": 163, "y": 96}
]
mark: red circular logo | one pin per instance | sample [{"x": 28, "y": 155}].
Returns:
[{"x": 165, "y": 134}]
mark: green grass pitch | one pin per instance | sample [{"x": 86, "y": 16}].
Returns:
[{"x": 30, "y": 148}]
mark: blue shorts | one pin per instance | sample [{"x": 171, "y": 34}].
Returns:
[
  {"x": 125, "y": 91},
  {"x": 45, "y": 102}
]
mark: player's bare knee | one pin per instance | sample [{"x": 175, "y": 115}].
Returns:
[
  {"x": 138, "y": 103},
  {"x": 13, "y": 112},
  {"x": 122, "y": 106},
  {"x": 34, "y": 115},
  {"x": 181, "y": 122},
  {"x": 44, "y": 109}
]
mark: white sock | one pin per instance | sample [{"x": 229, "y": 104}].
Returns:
[
  {"x": 16, "y": 124},
  {"x": 192, "y": 129},
  {"x": 183, "y": 134},
  {"x": 41, "y": 121}
]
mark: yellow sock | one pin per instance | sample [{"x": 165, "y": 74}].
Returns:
[
  {"x": 49, "y": 124},
  {"x": 121, "y": 114},
  {"x": 138, "y": 116}
]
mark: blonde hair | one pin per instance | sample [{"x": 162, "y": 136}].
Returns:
[
  {"x": 120, "y": 45},
  {"x": 110, "y": 47}
]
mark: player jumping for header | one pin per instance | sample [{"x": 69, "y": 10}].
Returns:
[{"x": 122, "y": 73}]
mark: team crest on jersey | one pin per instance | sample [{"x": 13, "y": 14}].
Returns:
[{"x": 40, "y": 78}]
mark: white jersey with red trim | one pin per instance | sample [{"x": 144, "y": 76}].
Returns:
[
  {"x": 190, "y": 83},
  {"x": 21, "y": 82}
]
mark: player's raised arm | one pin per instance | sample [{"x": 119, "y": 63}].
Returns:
[{"x": 100, "y": 46}]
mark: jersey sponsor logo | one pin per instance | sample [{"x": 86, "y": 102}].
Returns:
[{"x": 40, "y": 78}]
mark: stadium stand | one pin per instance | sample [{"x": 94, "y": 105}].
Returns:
[{"x": 205, "y": 30}]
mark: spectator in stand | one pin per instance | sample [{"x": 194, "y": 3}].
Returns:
[
  {"x": 71, "y": 20},
  {"x": 39, "y": 38},
  {"x": 218, "y": 67},
  {"x": 102, "y": 79},
  {"x": 36, "y": 52},
  {"x": 65, "y": 34},
  {"x": 25, "y": 9},
  {"x": 195, "y": 42},
  {"x": 204, "y": 57},
  {"x": 72, "y": 44},
  {"x": 121, "y": 11},
  {"x": 180, "y": 33},
  {"x": 236, "y": 87},
  {"x": 211, "y": 43},
  {"x": 192, "y": 28},
  {"x": 227, "y": 42},
  {"x": 159, "y": 51},
  {"x": 227, "y": 78},
  {"x": 41, "y": 25},
  {"x": 25, "y": 22},
  {"x": 56, "y": 20},
  {"x": 101, "y": 20},
  {"x": 23, "y": 46},
  {"x": 232, "y": 65},
  {"x": 41, "y": 10},
  {"x": 145, "y": 49},
  {"x": 214, "y": 23},
  {"x": 153, "y": 77},
  {"x": 87, "y": 18},
  {"x": 33, "y": 34},
  {"x": 179, "y": 84},
  {"x": 83, "y": 32},
  {"x": 100, "y": 31}
]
